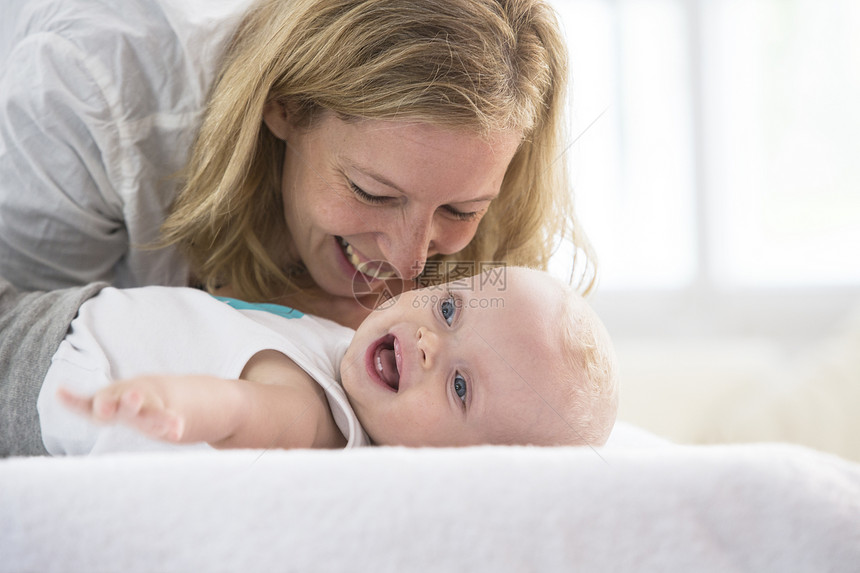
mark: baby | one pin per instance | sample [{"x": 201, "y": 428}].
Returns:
[{"x": 510, "y": 356}]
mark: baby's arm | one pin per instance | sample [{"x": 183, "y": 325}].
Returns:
[
  {"x": 161, "y": 406},
  {"x": 274, "y": 404}
]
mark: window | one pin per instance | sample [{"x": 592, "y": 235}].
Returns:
[{"x": 717, "y": 165}]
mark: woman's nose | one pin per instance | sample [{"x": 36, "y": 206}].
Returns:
[
  {"x": 428, "y": 345},
  {"x": 410, "y": 243}
]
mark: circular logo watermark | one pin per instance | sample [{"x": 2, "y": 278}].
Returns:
[{"x": 375, "y": 284}]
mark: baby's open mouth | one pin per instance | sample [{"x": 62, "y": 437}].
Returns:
[
  {"x": 385, "y": 361},
  {"x": 374, "y": 269}
]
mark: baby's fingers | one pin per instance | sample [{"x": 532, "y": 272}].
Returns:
[
  {"x": 160, "y": 424},
  {"x": 101, "y": 406},
  {"x": 130, "y": 406},
  {"x": 147, "y": 414},
  {"x": 81, "y": 404},
  {"x": 106, "y": 405},
  {"x": 142, "y": 410}
]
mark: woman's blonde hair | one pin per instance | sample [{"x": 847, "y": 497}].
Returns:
[{"x": 480, "y": 65}]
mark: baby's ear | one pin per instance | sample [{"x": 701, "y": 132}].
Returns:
[{"x": 277, "y": 119}]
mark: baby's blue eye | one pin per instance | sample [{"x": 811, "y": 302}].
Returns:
[
  {"x": 447, "y": 308},
  {"x": 460, "y": 387}
]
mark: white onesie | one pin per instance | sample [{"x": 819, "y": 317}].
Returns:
[{"x": 120, "y": 334}]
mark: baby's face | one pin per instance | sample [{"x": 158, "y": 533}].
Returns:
[{"x": 447, "y": 366}]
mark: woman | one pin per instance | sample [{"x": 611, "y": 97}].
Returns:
[
  {"x": 437, "y": 139},
  {"x": 376, "y": 130},
  {"x": 344, "y": 144}
]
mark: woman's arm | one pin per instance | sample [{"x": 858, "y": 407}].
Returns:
[
  {"x": 97, "y": 110},
  {"x": 62, "y": 219},
  {"x": 274, "y": 405}
]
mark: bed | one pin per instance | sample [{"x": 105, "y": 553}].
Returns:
[{"x": 638, "y": 504}]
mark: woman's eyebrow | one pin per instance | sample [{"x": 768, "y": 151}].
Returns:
[{"x": 481, "y": 199}]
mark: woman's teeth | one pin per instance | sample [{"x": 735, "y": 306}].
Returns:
[
  {"x": 375, "y": 271},
  {"x": 350, "y": 253}
]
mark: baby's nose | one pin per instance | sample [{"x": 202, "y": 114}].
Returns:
[{"x": 427, "y": 343}]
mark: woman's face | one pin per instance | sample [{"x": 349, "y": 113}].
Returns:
[{"x": 360, "y": 192}]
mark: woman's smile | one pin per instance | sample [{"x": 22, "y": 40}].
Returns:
[{"x": 371, "y": 269}]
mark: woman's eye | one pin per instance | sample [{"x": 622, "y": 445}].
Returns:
[
  {"x": 463, "y": 215},
  {"x": 366, "y": 197},
  {"x": 460, "y": 387},
  {"x": 447, "y": 308}
]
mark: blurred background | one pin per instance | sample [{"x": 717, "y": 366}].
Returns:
[{"x": 715, "y": 152}]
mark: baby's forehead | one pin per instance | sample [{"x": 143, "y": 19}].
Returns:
[
  {"x": 532, "y": 297},
  {"x": 523, "y": 315},
  {"x": 524, "y": 282}
]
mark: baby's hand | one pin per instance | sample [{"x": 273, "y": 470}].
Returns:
[{"x": 135, "y": 403}]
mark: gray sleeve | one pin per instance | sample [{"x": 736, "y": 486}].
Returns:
[{"x": 32, "y": 324}]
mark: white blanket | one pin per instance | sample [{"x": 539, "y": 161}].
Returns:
[{"x": 674, "y": 508}]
